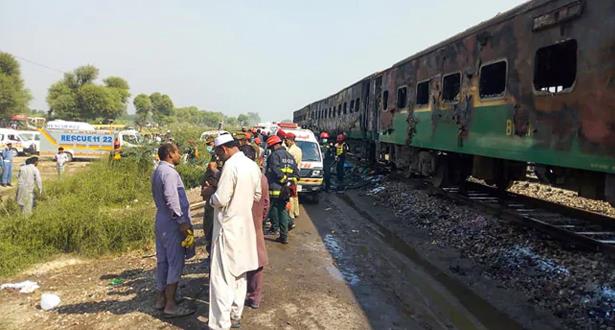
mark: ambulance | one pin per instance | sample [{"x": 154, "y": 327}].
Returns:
[{"x": 311, "y": 169}]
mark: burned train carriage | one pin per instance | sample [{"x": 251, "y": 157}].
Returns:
[{"x": 534, "y": 85}]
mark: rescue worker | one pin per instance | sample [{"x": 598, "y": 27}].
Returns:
[
  {"x": 328, "y": 151},
  {"x": 173, "y": 227},
  {"x": 61, "y": 158},
  {"x": 341, "y": 148},
  {"x": 281, "y": 172},
  {"x": 7, "y": 156},
  {"x": 29, "y": 178},
  {"x": 297, "y": 154}
]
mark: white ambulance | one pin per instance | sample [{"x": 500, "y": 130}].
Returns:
[{"x": 311, "y": 168}]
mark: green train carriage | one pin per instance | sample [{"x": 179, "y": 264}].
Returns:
[{"x": 534, "y": 85}]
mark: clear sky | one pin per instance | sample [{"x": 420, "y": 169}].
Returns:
[{"x": 271, "y": 56}]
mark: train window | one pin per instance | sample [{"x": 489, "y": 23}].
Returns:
[
  {"x": 385, "y": 100},
  {"x": 555, "y": 67},
  {"x": 351, "y": 106},
  {"x": 339, "y": 110},
  {"x": 422, "y": 93},
  {"x": 451, "y": 85},
  {"x": 402, "y": 97},
  {"x": 356, "y": 105},
  {"x": 345, "y": 108},
  {"x": 492, "y": 80}
]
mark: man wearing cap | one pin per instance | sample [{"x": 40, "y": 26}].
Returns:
[
  {"x": 29, "y": 178},
  {"x": 281, "y": 173},
  {"x": 234, "y": 236},
  {"x": 7, "y": 156},
  {"x": 297, "y": 154}
]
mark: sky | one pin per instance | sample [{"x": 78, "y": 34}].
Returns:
[{"x": 272, "y": 56}]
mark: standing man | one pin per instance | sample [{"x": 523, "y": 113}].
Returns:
[
  {"x": 328, "y": 151},
  {"x": 281, "y": 173},
  {"x": 61, "y": 158},
  {"x": 173, "y": 225},
  {"x": 297, "y": 154},
  {"x": 7, "y": 164},
  {"x": 29, "y": 178},
  {"x": 260, "y": 210},
  {"x": 234, "y": 237},
  {"x": 208, "y": 187},
  {"x": 341, "y": 148}
]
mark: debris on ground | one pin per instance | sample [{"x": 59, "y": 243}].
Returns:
[
  {"x": 49, "y": 301},
  {"x": 23, "y": 287},
  {"x": 576, "y": 286}
]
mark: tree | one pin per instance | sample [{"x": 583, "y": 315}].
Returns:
[
  {"x": 162, "y": 107},
  {"x": 77, "y": 97},
  {"x": 143, "y": 107},
  {"x": 14, "y": 98},
  {"x": 253, "y": 118},
  {"x": 243, "y": 120}
]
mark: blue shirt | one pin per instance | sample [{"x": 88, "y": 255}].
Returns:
[{"x": 170, "y": 195}]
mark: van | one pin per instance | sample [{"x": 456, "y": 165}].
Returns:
[
  {"x": 30, "y": 141},
  {"x": 10, "y": 135},
  {"x": 311, "y": 171}
]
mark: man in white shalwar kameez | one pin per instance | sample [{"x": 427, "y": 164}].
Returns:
[
  {"x": 29, "y": 178},
  {"x": 234, "y": 236}
]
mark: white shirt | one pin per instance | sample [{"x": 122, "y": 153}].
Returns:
[
  {"x": 238, "y": 188},
  {"x": 61, "y": 159},
  {"x": 29, "y": 177}
]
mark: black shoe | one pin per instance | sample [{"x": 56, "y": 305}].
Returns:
[
  {"x": 10, "y": 185},
  {"x": 291, "y": 227},
  {"x": 251, "y": 304},
  {"x": 235, "y": 324},
  {"x": 272, "y": 232},
  {"x": 282, "y": 240}
]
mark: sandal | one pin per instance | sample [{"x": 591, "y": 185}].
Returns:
[
  {"x": 179, "y": 312},
  {"x": 177, "y": 302}
]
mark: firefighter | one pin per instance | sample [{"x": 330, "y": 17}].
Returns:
[
  {"x": 341, "y": 149},
  {"x": 328, "y": 150},
  {"x": 282, "y": 173}
]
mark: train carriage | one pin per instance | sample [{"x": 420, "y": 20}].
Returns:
[{"x": 534, "y": 85}]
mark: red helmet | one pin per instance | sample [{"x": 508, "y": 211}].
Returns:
[
  {"x": 324, "y": 135},
  {"x": 273, "y": 140},
  {"x": 281, "y": 134},
  {"x": 341, "y": 138},
  {"x": 257, "y": 140},
  {"x": 290, "y": 136}
]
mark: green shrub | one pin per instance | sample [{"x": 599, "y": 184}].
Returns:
[{"x": 106, "y": 208}]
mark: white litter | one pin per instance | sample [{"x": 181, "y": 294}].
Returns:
[
  {"x": 49, "y": 301},
  {"x": 376, "y": 191},
  {"x": 24, "y": 287}
]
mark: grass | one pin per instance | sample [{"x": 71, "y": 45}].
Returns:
[{"x": 107, "y": 208}]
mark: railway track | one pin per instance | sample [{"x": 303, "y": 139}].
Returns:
[{"x": 574, "y": 227}]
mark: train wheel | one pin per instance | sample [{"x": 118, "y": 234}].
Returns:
[{"x": 440, "y": 177}]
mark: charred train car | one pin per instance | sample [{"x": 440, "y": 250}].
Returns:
[{"x": 534, "y": 85}]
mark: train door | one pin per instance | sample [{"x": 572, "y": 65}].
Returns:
[{"x": 376, "y": 116}]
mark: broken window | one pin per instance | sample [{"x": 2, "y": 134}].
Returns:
[
  {"x": 402, "y": 97},
  {"x": 351, "y": 106},
  {"x": 555, "y": 67},
  {"x": 422, "y": 93},
  {"x": 451, "y": 85},
  {"x": 385, "y": 100},
  {"x": 492, "y": 80},
  {"x": 339, "y": 110},
  {"x": 345, "y": 110},
  {"x": 356, "y": 105}
]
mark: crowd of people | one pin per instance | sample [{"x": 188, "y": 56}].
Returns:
[{"x": 250, "y": 191}]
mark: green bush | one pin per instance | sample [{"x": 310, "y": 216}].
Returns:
[{"x": 106, "y": 208}]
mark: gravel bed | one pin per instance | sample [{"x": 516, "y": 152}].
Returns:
[
  {"x": 562, "y": 196},
  {"x": 576, "y": 286}
]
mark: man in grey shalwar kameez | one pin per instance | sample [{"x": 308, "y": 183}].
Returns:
[
  {"x": 29, "y": 178},
  {"x": 173, "y": 224}
]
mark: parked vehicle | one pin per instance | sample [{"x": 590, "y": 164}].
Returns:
[
  {"x": 10, "y": 135},
  {"x": 81, "y": 142},
  {"x": 30, "y": 141}
]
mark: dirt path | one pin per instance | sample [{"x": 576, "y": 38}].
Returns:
[{"x": 338, "y": 272}]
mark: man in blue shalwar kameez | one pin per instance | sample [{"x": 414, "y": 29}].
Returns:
[{"x": 172, "y": 226}]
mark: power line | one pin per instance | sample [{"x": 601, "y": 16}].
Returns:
[{"x": 36, "y": 63}]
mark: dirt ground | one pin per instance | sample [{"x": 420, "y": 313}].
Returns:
[
  {"x": 46, "y": 166},
  {"x": 340, "y": 271}
]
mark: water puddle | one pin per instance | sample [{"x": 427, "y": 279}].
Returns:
[{"x": 343, "y": 271}]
